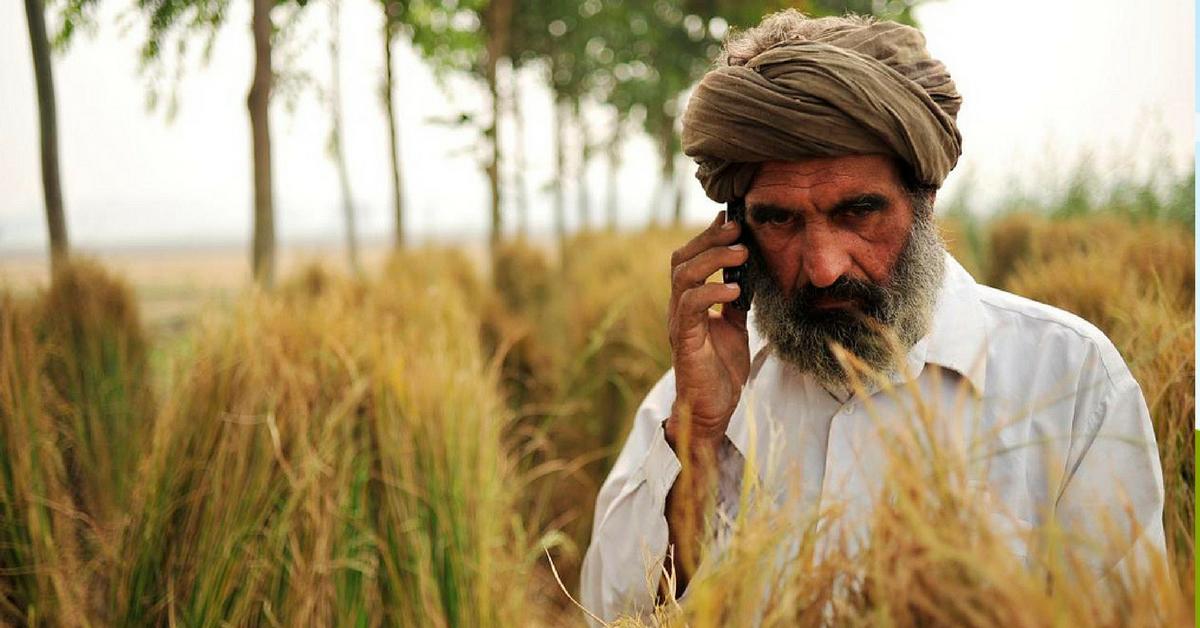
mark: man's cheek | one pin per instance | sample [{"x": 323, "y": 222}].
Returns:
[{"x": 781, "y": 259}]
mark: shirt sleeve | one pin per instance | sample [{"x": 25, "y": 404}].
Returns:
[
  {"x": 1112, "y": 493},
  {"x": 629, "y": 534}
]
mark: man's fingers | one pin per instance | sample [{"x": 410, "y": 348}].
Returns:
[
  {"x": 736, "y": 317},
  {"x": 715, "y": 235},
  {"x": 692, "y": 310},
  {"x": 696, "y": 270}
]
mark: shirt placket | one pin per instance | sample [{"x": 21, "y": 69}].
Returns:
[{"x": 852, "y": 459}]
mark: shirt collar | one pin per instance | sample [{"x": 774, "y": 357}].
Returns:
[{"x": 957, "y": 339}]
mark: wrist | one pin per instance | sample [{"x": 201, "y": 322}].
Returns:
[{"x": 699, "y": 440}]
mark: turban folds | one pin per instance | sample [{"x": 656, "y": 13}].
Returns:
[{"x": 852, "y": 90}]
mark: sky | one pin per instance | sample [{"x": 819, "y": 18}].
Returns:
[{"x": 1044, "y": 82}]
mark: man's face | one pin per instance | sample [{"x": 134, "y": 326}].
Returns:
[{"x": 838, "y": 255}]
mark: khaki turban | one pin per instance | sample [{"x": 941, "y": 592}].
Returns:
[{"x": 850, "y": 91}]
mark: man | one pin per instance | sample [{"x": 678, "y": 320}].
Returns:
[{"x": 836, "y": 134}]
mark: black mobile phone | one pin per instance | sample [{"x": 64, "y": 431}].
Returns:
[{"x": 735, "y": 210}]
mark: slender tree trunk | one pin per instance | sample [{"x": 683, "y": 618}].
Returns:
[
  {"x": 522, "y": 196},
  {"x": 678, "y": 185},
  {"x": 585, "y": 213},
  {"x": 493, "y": 171},
  {"x": 48, "y": 120},
  {"x": 662, "y": 193},
  {"x": 560, "y": 198},
  {"x": 667, "y": 150},
  {"x": 258, "y": 101},
  {"x": 654, "y": 209},
  {"x": 613, "y": 150},
  {"x": 339, "y": 153},
  {"x": 389, "y": 36},
  {"x": 499, "y": 16}
]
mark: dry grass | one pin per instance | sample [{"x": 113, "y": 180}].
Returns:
[
  {"x": 39, "y": 532},
  {"x": 397, "y": 450},
  {"x": 582, "y": 345},
  {"x": 929, "y": 554},
  {"x": 329, "y": 456}
]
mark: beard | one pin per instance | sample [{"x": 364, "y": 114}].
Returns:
[{"x": 882, "y": 324}]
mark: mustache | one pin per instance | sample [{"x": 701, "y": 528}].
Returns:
[
  {"x": 803, "y": 332},
  {"x": 869, "y": 297}
]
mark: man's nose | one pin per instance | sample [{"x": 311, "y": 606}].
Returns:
[{"x": 825, "y": 257}]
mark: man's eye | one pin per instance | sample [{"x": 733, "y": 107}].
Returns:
[
  {"x": 859, "y": 211},
  {"x": 778, "y": 218}
]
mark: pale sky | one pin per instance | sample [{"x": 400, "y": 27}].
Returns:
[{"x": 1042, "y": 81}]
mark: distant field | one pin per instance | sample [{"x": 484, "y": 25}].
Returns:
[{"x": 172, "y": 283}]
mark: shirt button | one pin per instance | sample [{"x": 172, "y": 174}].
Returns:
[{"x": 848, "y": 409}]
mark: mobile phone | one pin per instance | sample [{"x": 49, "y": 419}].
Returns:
[{"x": 735, "y": 210}]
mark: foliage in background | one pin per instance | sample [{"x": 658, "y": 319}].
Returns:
[{"x": 635, "y": 59}]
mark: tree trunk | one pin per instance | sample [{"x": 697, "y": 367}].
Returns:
[
  {"x": 522, "y": 198},
  {"x": 614, "y": 166},
  {"x": 499, "y": 17},
  {"x": 585, "y": 214},
  {"x": 560, "y": 199},
  {"x": 678, "y": 185},
  {"x": 258, "y": 101},
  {"x": 493, "y": 166},
  {"x": 339, "y": 153},
  {"x": 389, "y": 35},
  {"x": 48, "y": 120},
  {"x": 667, "y": 150}
]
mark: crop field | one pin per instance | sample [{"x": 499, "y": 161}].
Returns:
[{"x": 419, "y": 448}]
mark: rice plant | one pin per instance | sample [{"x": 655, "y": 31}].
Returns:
[{"x": 397, "y": 450}]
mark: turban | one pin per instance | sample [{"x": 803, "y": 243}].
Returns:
[{"x": 852, "y": 90}]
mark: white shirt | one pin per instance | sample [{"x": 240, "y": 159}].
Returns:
[{"x": 1065, "y": 427}]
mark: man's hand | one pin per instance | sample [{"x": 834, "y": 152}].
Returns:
[
  {"x": 710, "y": 351},
  {"x": 711, "y": 356}
]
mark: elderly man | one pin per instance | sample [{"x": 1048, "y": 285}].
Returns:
[{"x": 835, "y": 134}]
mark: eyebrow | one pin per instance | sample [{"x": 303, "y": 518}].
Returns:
[{"x": 761, "y": 212}]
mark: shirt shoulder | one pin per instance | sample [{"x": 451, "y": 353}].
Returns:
[{"x": 1022, "y": 330}]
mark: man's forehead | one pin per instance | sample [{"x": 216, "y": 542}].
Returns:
[{"x": 820, "y": 174}]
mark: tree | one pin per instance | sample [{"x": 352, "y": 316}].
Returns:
[
  {"x": 612, "y": 149},
  {"x": 258, "y": 101},
  {"x": 169, "y": 19},
  {"x": 470, "y": 37},
  {"x": 336, "y": 148},
  {"x": 663, "y": 49},
  {"x": 555, "y": 34},
  {"x": 48, "y": 126},
  {"x": 393, "y": 21}
]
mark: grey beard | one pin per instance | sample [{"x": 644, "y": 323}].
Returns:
[{"x": 890, "y": 318}]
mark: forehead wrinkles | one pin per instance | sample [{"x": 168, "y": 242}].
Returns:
[
  {"x": 803, "y": 168},
  {"x": 797, "y": 185},
  {"x": 803, "y": 178}
]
